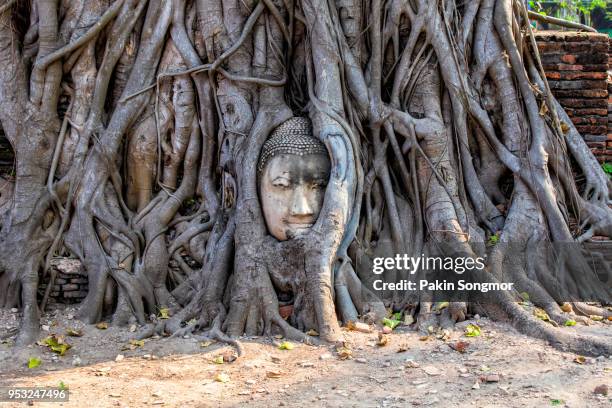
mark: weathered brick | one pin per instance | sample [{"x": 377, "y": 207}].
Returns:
[
  {"x": 568, "y": 59},
  {"x": 585, "y": 48},
  {"x": 587, "y": 112},
  {"x": 582, "y": 84},
  {"x": 590, "y": 120},
  {"x": 70, "y": 286},
  {"x": 550, "y": 46},
  {"x": 576, "y": 75},
  {"x": 556, "y": 66},
  {"x": 75, "y": 294},
  {"x": 586, "y": 58},
  {"x": 600, "y": 94},
  {"x": 571, "y": 36},
  {"x": 584, "y": 103},
  {"x": 593, "y": 130}
]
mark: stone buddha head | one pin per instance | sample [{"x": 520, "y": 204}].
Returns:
[{"x": 293, "y": 172}]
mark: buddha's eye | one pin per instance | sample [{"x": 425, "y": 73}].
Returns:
[
  {"x": 281, "y": 183},
  {"x": 319, "y": 184}
]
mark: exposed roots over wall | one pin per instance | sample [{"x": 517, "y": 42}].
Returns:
[{"x": 137, "y": 128}]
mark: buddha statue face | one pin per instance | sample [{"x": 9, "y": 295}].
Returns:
[{"x": 293, "y": 172}]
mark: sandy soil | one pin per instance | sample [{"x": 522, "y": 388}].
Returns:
[{"x": 407, "y": 371}]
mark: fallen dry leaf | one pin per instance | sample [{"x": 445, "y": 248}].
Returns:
[
  {"x": 460, "y": 346},
  {"x": 383, "y": 340},
  {"x": 402, "y": 348},
  {"x": 74, "y": 333},
  {"x": 222, "y": 378},
  {"x": 344, "y": 353},
  {"x": 229, "y": 357},
  {"x": 601, "y": 389},
  {"x": 274, "y": 374}
]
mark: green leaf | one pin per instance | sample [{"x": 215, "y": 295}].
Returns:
[
  {"x": 61, "y": 349},
  {"x": 441, "y": 305},
  {"x": 570, "y": 322},
  {"x": 285, "y": 345},
  {"x": 525, "y": 296},
  {"x": 62, "y": 386},
  {"x": 51, "y": 341},
  {"x": 391, "y": 323},
  {"x": 607, "y": 168},
  {"x": 164, "y": 313},
  {"x": 541, "y": 314},
  {"x": 556, "y": 402},
  {"x": 34, "y": 362},
  {"x": 397, "y": 316},
  {"x": 137, "y": 343},
  {"x": 57, "y": 344},
  {"x": 472, "y": 330},
  {"x": 493, "y": 239}
]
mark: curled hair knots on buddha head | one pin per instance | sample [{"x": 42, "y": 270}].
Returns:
[{"x": 294, "y": 136}]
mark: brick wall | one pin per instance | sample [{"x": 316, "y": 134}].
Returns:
[
  {"x": 576, "y": 66},
  {"x": 70, "y": 285}
]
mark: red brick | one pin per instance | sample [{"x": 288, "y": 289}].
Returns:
[
  {"x": 586, "y": 48},
  {"x": 569, "y": 59},
  {"x": 584, "y": 103},
  {"x": 593, "y": 120},
  {"x": 584, "y": 93},
  {"x": 556, "y": 66},
  {"x": 587, "y": 112},
  {"x": 577, "y": 75},
  {"x": 582, "y": 84},
  {"x": 592, "y": 130},
  {"x": 553, "y": 75},
  {"x": 550, "y": 46}
]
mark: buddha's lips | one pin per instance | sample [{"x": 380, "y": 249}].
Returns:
[{"x": 296, "y": 226}]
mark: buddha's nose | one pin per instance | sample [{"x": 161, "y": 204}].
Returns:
[{"x": 299, "y": 204}]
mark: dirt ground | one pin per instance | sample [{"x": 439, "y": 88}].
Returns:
[{"x": 499, "y": 368}]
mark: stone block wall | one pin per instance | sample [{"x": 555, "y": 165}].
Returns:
[
  {"x": 576, "y": 65},
  {"x": 70, "y": 285}
]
